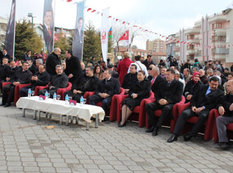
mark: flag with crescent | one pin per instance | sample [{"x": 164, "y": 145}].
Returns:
[{"x": 104, "y": 34}]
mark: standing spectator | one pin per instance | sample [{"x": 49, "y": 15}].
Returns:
[
  {"x": 3, "y": 70},
  {"x": 114, "y": 73},
  {"x": 139, "y": 65},
  {"x": 52, "y": 61},
  {"x": 5, "y": 54},
  {"x": 92, "y": 61},
  {"x": 98, "y": 72},
  {"x": 28, "y": 55},
  {"x": 148, "y": 61},
  {"x": 123, "y": 66},
  {"x": 72, "y": 67},
  {"x": 130, "y": 78}
]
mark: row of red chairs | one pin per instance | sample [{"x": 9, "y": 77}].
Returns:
[
  {"x": 139, "y": 112},
  {"x": 60, "y": 91}
]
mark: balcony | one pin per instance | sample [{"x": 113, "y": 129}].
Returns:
[
  {"x": 192, "y": 31},
  {"x": 194, "y": 40},
  {"x": 191, "y": 51},
  {"x": 218, "y": 18},
  {"x": 220, "y": 57},
  {"x": 220, "y": 32}
]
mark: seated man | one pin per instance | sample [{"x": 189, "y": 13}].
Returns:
[
  {"x": 226, "y": 116},
  {"x": 22, "y": 76},
  {"x": 170, "y": 93},
  {"x": 205, "y": 99},
  {"x": 41, "y": 78},
  {"x": 60, "y": 80},
  {"x": 105, "y": 90},
  {"x": 87, "y": 83},
  {"x": 130, "y": 78}
]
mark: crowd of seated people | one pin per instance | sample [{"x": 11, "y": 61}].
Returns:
[{"x": 200, "y": 87}]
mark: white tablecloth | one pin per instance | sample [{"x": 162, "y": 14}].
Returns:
[{"x": 82, "y": 111}]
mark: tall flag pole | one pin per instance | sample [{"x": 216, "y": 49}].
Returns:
[
  {"x": 78, "y": 39},
  {"x": 104, "y": 34},
  {"x": 10, "y": 32},
  {"x": 48, "y": 25}
]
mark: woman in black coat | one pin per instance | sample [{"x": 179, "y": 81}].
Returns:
[
  {"x": 192, "y": 86},
  {"x": 139, "y": 91}
]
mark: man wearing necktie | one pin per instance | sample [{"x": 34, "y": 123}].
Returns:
[{"x": 205, "y": 99}]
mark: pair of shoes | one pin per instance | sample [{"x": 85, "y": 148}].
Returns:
[
  {"x": 122, "y": 125},
  {"x": 7, "y": 105},
  {"x": 172, "y": 138},
  {"x": 188, "y": 136},
  {"x": 155, "y": 131},
  {"x": 224, "y": 145},
  {"x": 151, "y": 129}
]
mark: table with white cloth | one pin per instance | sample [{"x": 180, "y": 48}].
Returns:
[{"x": 61, "y": 108}]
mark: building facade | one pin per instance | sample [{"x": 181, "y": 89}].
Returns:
[
  {"x": 3, "y": 27},
  {"x": 211, "y": 38}
]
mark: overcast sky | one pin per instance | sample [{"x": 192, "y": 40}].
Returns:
[{"x": 161, "y": 16}]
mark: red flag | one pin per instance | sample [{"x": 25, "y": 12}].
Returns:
[
  {"x": 125, "y": 36},
  {"x": 68, "y": 0}
]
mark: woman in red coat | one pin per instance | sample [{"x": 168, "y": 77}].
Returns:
[{"x": 123, "y": 66}]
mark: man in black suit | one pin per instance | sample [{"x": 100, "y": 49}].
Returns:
[
  {"x": 52, "y": 61},
  {"x": 77, "y": 45},
  {"x": 167, "y": 94},
  {"x": 60, "y": 80},
  {"x": 72, "y": 67},
  {"x": 225, "y": 110},
  {"x": 105, "y": 91},
  {"x": 41, "y": 78},
  {"x": 22, "y": 76},
  {"x": 88, "y": 82},
  {"x": 130, "y": 78},
  {"x": 203, "y": 100},
  {"x": 48, "y": 30}
]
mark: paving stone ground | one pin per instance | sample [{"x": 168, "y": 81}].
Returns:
[{"x": 27, "y": 146}]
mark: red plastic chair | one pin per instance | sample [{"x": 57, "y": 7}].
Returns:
[
  {"x": 138, "y": 111},
  {"x": 229, "y": 127},
  {"x": 39, "y": 88},
  {"x": 17, "y": 88},
  {"x": 62, "y": 91},
  {"x": 158, "y": 113},
  {"x": 115, "y": 106},
  {"x": 209, "y": 125},
  {"x": 16, "y": 91}
]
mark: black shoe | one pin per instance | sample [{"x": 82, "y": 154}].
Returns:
[
  {"x": 2, "y": 104},
  {"x": 172, "y": 138},
  {"x": 224, "y": 145},
  {"x": 155, "y": 131},
  {"x": 7, "y": 105},
  {"x": 122, "y": 125},
  {"x": 187, "y": 137},
  {"x": 151, "y": 129}
]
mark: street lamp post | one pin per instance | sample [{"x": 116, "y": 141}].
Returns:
[{"x": 30, "y": 15}]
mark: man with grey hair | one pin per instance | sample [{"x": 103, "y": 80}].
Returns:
[
  {"x": 60, "y": 80},
  {"x": 226, "y": 116},
  {"x": 106, "y": 88},
  {"x": 53, "y": 60}
]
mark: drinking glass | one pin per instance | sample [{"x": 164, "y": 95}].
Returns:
[
  {"x": 84, "y": 100},
  {"x": 58, "y": 97},
  {"x": 33, "y": 93}
]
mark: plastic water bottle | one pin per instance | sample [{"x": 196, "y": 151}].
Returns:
[
  {"x": 67, "y": 99},
  {"x": 54, "y": 96},
  {"x": 46, "y": 94},
  {"x": 81, "y": 100},
  {"x": 29, "y": 92}
]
